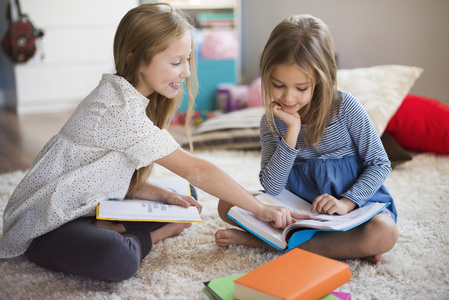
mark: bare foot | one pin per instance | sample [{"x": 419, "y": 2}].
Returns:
[
  {"x": 374, "y": 259},
  {"x": 114, "y": 226},
  {"x": 227, "y": 237},
  {"x": 169, "y": 230}
]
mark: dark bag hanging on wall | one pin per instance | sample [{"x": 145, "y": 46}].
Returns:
[{"x": 19, "y": 42}]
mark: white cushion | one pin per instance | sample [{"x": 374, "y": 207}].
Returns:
[{"x": 380, "y": 89}]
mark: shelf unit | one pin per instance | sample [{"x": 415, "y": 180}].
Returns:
[{"x": 212, "y": 72}]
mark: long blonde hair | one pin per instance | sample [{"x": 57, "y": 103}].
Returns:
[
  {"x": 144, "y": 31},
  {"x": 304, "y": 40}
]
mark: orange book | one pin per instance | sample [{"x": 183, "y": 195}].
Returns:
[{"x": 297, "y": 274}]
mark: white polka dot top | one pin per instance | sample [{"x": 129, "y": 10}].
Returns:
[{"x": 92, "y": 158}]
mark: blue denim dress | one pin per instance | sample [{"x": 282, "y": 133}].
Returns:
[{"x": 315, "y": 177}]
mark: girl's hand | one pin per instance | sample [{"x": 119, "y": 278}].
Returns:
[
  {"x": 280, "y": 217},
  {"x": 154, "y": 192},
  {"x": 182, "y": 200},
  {"x": 327, "y": 204},
  {"x": 289, "y": 118},
  {"x": 292, "y": 120}
]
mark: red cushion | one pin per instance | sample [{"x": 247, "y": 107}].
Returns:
[{"x": 421, "y": 124}]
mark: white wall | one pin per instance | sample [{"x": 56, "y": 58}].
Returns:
[
  {"x": 366, "y": 33},
  {"x": 75, "y": 50},
  {"x": 78, "y": 43}
]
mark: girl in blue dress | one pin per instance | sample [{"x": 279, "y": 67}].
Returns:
[{"x": 319, "y": 143}]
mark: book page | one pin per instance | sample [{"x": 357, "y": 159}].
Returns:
[
  {"x": 278, "y": 238},
  {"x": 320, "y": 221},
  {"x": 145, "y": 210},
  {"x": 340, "y": 222},
  {"x": 287, "y": 199},
  {"x": 261, "y": 229}
]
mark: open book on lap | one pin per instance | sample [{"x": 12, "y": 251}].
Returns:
[
  {"x": 152, "y": 211},
  {"x": 303, "y": 230}
]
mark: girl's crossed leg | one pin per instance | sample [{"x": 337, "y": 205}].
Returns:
[
  {"x": 369, "y": 240},
  {"x": 101, "y": 250}
]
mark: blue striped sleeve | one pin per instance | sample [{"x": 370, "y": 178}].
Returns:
[
  {"x": 277, "y": 160},
  {"x": 370, "y": 150}
]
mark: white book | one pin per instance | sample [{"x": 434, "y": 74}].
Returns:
[
  {"x": 153, "y": 211},
  {"x": 302, "y": 230}
]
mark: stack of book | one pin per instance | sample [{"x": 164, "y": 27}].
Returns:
[{"x": 297, "y": 274}]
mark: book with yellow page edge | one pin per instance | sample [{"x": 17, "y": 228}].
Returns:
[
  {"x": 297, "y": 274},
  {"x": 152, "y": 211},
  {"x": 302, "y": 230}
]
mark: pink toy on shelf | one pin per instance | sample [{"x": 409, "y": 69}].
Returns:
[{"x": 220, "y": 44}]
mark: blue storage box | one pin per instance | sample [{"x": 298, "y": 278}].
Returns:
[{"x": 211, "y": 73}]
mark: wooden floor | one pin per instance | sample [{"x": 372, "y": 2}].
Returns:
[{"x": 23, "y": 136}]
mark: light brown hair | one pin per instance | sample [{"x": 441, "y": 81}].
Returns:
[
  {"x": 144, "y": 31},
  {"x": 304, "y": 40}
]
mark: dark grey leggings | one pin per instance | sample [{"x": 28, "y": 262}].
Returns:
[{"x": 81, "y": 248}]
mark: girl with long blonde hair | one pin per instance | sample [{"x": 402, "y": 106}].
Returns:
[{"x": 106, "y": 150}]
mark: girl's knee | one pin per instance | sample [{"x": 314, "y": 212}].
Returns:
[
  {"x": 115, "y": 271},
  {"x": 383, "y": 232},
  {"x": 119, "y": 269},
  {"x": 116, "y": 263},
  {"x": 110, "y": 258},
  {"x": 388, "y": 227},
  {"x": 223, "y": 209}
]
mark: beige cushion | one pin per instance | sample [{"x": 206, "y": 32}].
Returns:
[{"x": 380, "y": 89}]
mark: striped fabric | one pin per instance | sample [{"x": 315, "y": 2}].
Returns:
[{"x": 350, "y": 133}]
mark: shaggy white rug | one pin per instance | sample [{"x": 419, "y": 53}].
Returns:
[{"x": 416, "y": 268}]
